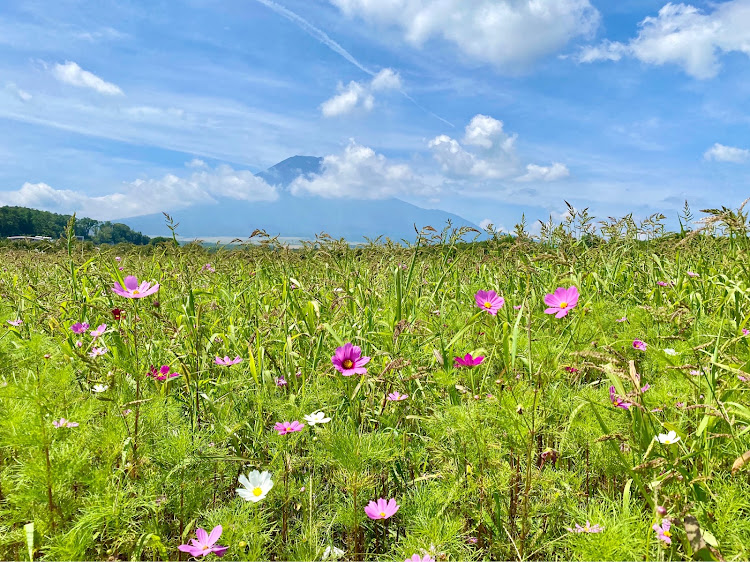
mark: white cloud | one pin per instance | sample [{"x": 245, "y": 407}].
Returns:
[
  {"x": 722, "y": 153},
  {"x": 23, "y": 95},
  {"x": 145, "y": 196},
  {"x": 507, "y": 33},
  {"x": 545, "y": 173},
  {"x": 358, "y": 95},
  {"x": 196, "y": 163},
  {"x": 684, "y": 35},
  {"x": 493, "y": 158},
  {"x": 72, "y": 74},
  {"x": 360, "y": 173}
]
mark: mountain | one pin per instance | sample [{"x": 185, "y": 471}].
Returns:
[{"x": 299, "y": 216}]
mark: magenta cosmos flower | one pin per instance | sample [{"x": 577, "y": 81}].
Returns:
[
  {"x": 617, "y": 401},
  {"x": 227, "y": 360},
  {"x": 162, "y": 373},
  {"x": 467, "y": 361},
  {"x": 396, "y": 397},
  {"x": 641, "y": 345},
  {"x": 132, "y": 290},
  {"x": 79, "y": 328},
  {"x": 561, "y": 301},
  {"x": 288, "y": 427},
  {"x": 417, "y": 558},
  {"x": 663, "y": 532},
  {"x": 348, "y": 360},
  {"x": 381, "y": 509},
  {"x": 205, "y": 543},
  {"x": 489, "y": 301}
]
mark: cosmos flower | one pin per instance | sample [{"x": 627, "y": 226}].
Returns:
[
  {"x": 162, "y": 373},
  {"x": 255, "y": 486},
  {"x": 467, "y": 361},
  {"x": 286, "y": 427},
  {"x": 205, "y": 543},
  {"x": 348, "y": 360},
  {"x": 623, "y": 319},
  {"x": 663, "y": 532},
  {"x": 15, "y": 323},
  {"x": 668, "y": 438},
  {"x": 396, "y": 397},
  {"x": 79, "y": 328},
  {"x": 97, "y": 351},
  {"x": 561, "y": 301},
  {"x": 663, "y": 284},
  {"x": 280, "y": 381},
  {"x": 692, "y": 274},
  {"x": 227, "y": 360},
  {"x": 62, "y": 422},
  {"x": 117, "y": 313},
  {"x": 99, "y": 388},
  {"x": 617, "y": 401},
  {"x": 417, "y": 558},
  {"x": 208, "y": 267},
  {"x": 588, "y": 528},
  {"x": 99, "y": 331},
  {"x": 489, "y": 301},
  {"x": 132, "y": 290},
  {"x": 641, "y": 345},
  {"x": 382, "y": 509},
  {"x": 316, "y": 417},
  {"x": 333, "y": 553}
]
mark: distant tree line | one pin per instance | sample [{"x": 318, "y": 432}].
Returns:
[{"x": 22, "y": 221}]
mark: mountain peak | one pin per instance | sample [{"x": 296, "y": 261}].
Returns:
[{"x": 286, "y": 171}]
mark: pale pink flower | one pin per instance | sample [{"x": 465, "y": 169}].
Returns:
[
  {"x": 227, "y": 361},
  {"x": 396, "y": 397}
]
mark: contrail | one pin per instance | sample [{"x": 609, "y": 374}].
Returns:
[
  {"x": 319, "y": 34},
  {"x": 323, "y": 37}
]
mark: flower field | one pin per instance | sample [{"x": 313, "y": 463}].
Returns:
[{"x": 565, "y": 398}]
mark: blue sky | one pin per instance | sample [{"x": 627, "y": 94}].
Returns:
[{"x": 485, "y": 108}]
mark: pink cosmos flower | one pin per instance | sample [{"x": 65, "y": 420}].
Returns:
[
  {"x": 417, "y": 558},
  {"x": 97, "y": 351},
  {"x": 62, "y": 422},
  {"x": 745, "y": 331},
  {"x": 617, "y": 401},
  {"x": 286, "y": 427},
  {"x": 280, "y": 381},
  {"x": 118, "y": 258},
  {"x": 381, "y": 509},
  {"x": 663, "y": 532},
  {"x": 588, "y": 528},
  {"x": 489, "y": 301},
  {"x": 518, "y": 307},
  {"x": 15, "y": 323},
  {"x": 467, "y": 361},
  {"x": 623, "y": 319},
  {"x": 79, "y": 343},
  {"x": 561, "y": 301},
  {"x": 227, "y": 360},
  {"x": 396, "y": 397},
  {"x": 208, "y": 267},
  {"x": 662, "y": 284},
  {"x": 162, "y": 373},
  {"x": 99, "y": 331},
  {"x": 205, "y": 543},
  {"x": 692, "y": 274},
  {"x": 641, "y": 345},
  {"x": 132, "y": 290},
  {"x": 348, "y": 360},
  {"x": 572, "y": 370},
  {"x": 79, "y": 328}
]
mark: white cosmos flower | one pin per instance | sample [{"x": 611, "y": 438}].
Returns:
[
  {"x": 317, "y": 417},
  {"x": 670, "y": 351},
  {"x": 668, "y": 438},
  {"x": 333, "y": 553},
  {"x": 100, "y": 388},
  {"x": 256, "y": 486}
]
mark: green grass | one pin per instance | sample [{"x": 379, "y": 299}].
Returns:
[{"x": 494, "y": 462}]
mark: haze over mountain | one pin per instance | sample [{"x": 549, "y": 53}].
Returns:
[{"x": 298, "y": 215}]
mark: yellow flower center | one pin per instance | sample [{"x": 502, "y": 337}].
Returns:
[
  {"x": 348, "y": 363},
  {"x": 667, "y": 441},
  {"x": 488, "y": 305},
  {"x": 666, "y": 533},
  {"x": 382, "y": 514},
  {"x": 257, "y": 491},
  {"x": 563, "y": 304},
  {"x": 205, "y": 547},
  {"x": 136, "y": 292}
]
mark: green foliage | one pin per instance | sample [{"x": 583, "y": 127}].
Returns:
[{"x": 494, "y": 462}]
